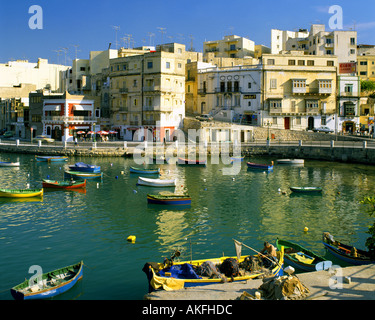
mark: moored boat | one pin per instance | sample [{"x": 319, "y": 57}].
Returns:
[
  {"x": 21, "y": 193},
  {"x": 237, "y": 159},
  {"x": 9, "y": 164},
  {"x": 291, "y": 161},
  {"x": 169, "y": 198},
  {"x": 299, "y": 257},
  {"x": 253, "y": 165},
  {"x": 306, "y": 189},
  {"x": 195, "y": 162},
  {"x": 63, "y": 184},
  {"x": 144, "y": 171},
  {"x": 51, "y": 158},
  {"x": 50, "y": 284},
  {"x": 156, "y": 182},
  {"x": 182, "y": 274},
  {"x": 347, "y": 253},
  {"x": 83, "y": 175},
  {"x": 84, "y": 167}
]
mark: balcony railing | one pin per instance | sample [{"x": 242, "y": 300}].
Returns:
[{"x": 69, "y": 119}]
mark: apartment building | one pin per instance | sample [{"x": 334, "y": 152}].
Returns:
[
  {"x": 318, "y": 41},
  {"x": 148, "y": 92},
  {"x": 298, "y": 91},
  {"x": 348, "y": 101},
  {"x": 366, "y": 62},
  {"x": 231, "y": 46},
  {"x": 41, "y": 74},
  {"x": 230, "y": 93}
]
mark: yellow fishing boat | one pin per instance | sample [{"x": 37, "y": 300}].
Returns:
[
  {"x": 160, "y": 275},
  {"x": 21, "y": 193}
]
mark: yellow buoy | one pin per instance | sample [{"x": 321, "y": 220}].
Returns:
[
  {"x": 131, "y": 239},
  {"x": 306, "y": 229}
]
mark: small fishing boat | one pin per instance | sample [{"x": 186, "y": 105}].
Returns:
[
  {"x": 83, "y": 167},
  {"x": 291, "y": 161},
  {"x": 196, "y": 162},
  {"x": 63, "y": 184},
  {"x": 253, "y": 165},
  {"x": 51, "y": 158},
  {"x": 299, "y": 257},
  {"x": 9, "y": 164},
  {"x": 184, "y": 274},
  {"x": 306, "y": 189},
  {"x": 345, "y": 252},
  {"x": 156, "y": 182},
  {"x": 21, "y": 193},
  {"x": 169, "y": 198},
  {"x": 83, "y": 175},
  {"x": 50, "y": 285},
  {"x": 237, "y": 159},
  {"x": 144, "y": 171}
]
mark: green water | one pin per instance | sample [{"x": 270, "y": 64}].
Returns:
[{"x": 69, "y": 226}]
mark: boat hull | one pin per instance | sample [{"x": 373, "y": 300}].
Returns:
[
  {"x": 169, "y": 201},
  {"x": 63, "y": 184},
  {"x": 306, "y": 189},
  {"x": 161, "y": 282},
  {"x": 156, "y": 182},
  {"x": 21, "y": 193},
  {"x": 9, "y": 164},
  {"x": 51, "y": 159},
  {"x": 144, "y": 171},
  {"x": 49, "y": 292},
  {"x": 83, "y": 175},
  {"x": 259, "y": 166},
  {"x": 84, "y": 168},
  {"x": 193, "y": 162},
  {"x": 295, "y": 263},
  {"x": 290, "y": 161},
  {"x": 341, "y": 252}
]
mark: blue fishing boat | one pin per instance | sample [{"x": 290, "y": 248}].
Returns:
[
  {"x": 169, "y": 198},
  {"x": 345, "y": 252},
  {"x": 51, "y": 158},
  {"x": 144, "y": 171},
  {"x": 50, "y": 284},
  {"x": 82, "y": 175},
  {"x": 253, "y": 165},
  {"x": 83, "y": 167}
]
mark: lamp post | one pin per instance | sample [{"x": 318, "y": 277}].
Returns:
[
  {"x": 93, "y": 129},
  {"x": 268, "y": 124}
]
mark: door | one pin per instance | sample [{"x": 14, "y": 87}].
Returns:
[
  {"x": 310, "y": 123},
  {"x": 286, "y": 123}
]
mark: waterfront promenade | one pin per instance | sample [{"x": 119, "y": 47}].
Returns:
[
  {"x": 356, "y": 151},
  {"x": 321, "y": 284}
]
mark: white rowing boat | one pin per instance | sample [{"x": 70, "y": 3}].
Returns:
[{"x": 156, "y": 182}]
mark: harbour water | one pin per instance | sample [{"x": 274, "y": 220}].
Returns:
[{"x": 253, "y": 206}]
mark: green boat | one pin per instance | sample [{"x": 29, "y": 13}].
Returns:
[
  {"x": 306, "y": 189},
  {"x": 299, "y": 257}
]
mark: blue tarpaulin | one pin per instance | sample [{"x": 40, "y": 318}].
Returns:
[{"x": 181, "y": 271}]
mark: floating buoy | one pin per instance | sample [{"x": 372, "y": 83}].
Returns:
[
  {"x": 131, "y": 239},
  {"x": 135, "y": 191},
  {"x": 204, "y": 180},
  {"x": 205, "y": 189},
  {"x": 122, "y": 172},
  {"x": 233, "y": 179},
  {"x": 47, "y": 176},
  {"x": 306, "y": 229},
  {"x": 279, "y": 190},
  {"x": 97, "y": 185},
  {"x": 116, "y": 177},
  {"x": 111, "y": 164}
]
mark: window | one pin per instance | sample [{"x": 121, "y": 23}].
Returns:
[
  {"x": 301, "y": 62},
  {"x": 249, "y": 85},
  {"x": 291, "y": 62},
  {"x": 236, "y": 86},
  {"x": 271, "y": 61},
  {"x": 349, "y": 109},
  {"x": 274, "y": 120},
  {"x": 135, "y": 83},
  {"x": 310, "y": 62},
  {"x": 299, "y": 83},
  {"x": 312, "y": 104},
  {"x": 179, "y": 65},
  {"x": 363, "y": 63},
  {"x": 149, "y": 65},
  {"x": 249, "y": 104},
  {"x": 352, "y": 51},
  {"x": 352, "y": 41},
  {"x": 168, "y": 65},
  {"x": 330, "y": 63},
  {"x": 293, "y": 106},
  {"x": 325, "y": 84},
  {"x": 82, "y": 69},
  {"x": 275, "y": 104},
  {"x": 329, "y": 52},
  {"x": 323, "y": 121},
  {"x": 188, "y": 88},
  {"x": 298, "y": 120},
  {"x": 232, "y": 47},
  {"x": 229, "y": 86},
  {"x": 273, "y": 83},
  {"x": 349, "y": 88},
  {"x": 363, "y": 73},
  {"x": 222, "y": 86}
]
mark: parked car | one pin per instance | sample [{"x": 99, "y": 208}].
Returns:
[
  {"x": 204, "y": 117},
  {"x": 323, "y": 129},
  {"x": 44, "y": 139},
  {"x": 7, "y": 134}
]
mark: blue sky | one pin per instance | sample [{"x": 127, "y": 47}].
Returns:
[{"x": 89, "y": 24}]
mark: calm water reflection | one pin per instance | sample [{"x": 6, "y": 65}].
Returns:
[{"x": 65, "y": 227}]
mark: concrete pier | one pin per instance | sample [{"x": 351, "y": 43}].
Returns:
[{"x": 323, "y": 285}]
